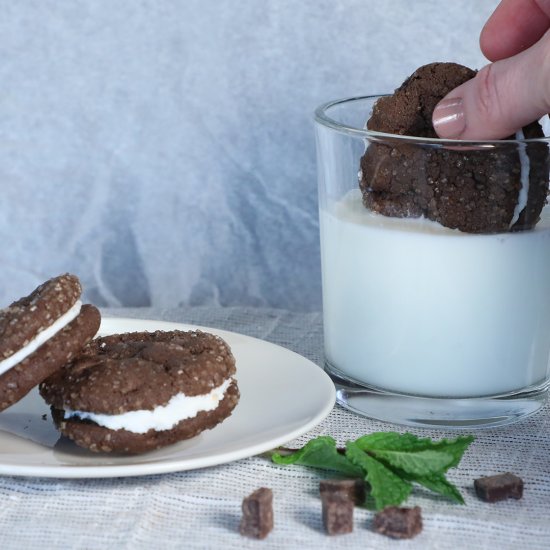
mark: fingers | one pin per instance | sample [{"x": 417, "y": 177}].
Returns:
[
  {"x": 503, "y": 97},
  {"x": 514, "y": 26}
]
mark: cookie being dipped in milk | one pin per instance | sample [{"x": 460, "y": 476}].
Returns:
[
  {"x": 470, "y": 190},
  {"x": 436, "y": 268}
]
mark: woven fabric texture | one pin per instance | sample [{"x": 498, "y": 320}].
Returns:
[{"x": 202, "y": 508}]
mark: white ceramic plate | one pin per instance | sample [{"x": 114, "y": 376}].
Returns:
[{"x": 283, "y": 395}]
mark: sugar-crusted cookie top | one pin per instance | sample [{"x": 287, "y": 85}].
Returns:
[
  {"x": 409, "y": 110},
  {"x": 25, "y": 318},
  {"x": 475, "y": 191},
  {"x": 140, "y": 371}
]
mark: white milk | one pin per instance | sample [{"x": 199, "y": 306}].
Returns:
[{"x": 413, "y": 307}]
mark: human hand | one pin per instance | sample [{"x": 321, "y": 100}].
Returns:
[{"x": 512, "y": 91}]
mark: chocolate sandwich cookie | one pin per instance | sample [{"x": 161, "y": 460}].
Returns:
[
  {"x": 40, "y": 333},
  {"x": 131, "y": 393},
  {"x": 476, "y": 191}
]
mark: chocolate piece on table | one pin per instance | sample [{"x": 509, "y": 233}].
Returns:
[
  {"x": 398, "y": 523},
  {"x": 499, "y": 487},
  {"x": 353, "y": 489},
  {"x": 337, "y": 514},
  {"x": 257, "y": 520}
]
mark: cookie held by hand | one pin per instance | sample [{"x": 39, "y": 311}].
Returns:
[
  {"x": 132, "y": 393},
  {"x": 476, "y": 190},
  {"x": 40, "y": 333}
]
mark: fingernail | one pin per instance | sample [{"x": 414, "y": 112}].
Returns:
[{"x": 448, "y": 118}]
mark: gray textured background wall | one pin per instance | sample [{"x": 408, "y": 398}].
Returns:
[{"x": 163, "y": 150}]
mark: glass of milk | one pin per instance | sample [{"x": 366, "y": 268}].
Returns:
[{"x": 426, "y": 325}]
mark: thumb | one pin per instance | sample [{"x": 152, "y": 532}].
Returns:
[{"x": 502, "y": 98}]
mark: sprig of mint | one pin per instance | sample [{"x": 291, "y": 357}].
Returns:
[{"x": 389, "y": 462}]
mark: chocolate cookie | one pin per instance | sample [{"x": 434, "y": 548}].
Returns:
[
  {"x": 40, "y": 333},
  {"x": 476, "y": 191},
  {"x": 131, "y": 393}
]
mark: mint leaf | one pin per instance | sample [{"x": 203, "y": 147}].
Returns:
[
  {"x": 385, "y": 441},
  {"x": 389, "y": 461},
  {"x": 414, "y": 455},
  {"x": 417, "y": 463},
  {"x": 439, "y": 484},
  {"x": 457, "y": 447},
  {"x": 393, "y": 441},
  {"x": 320, "y": 452},
  {"x": 387, "y": 488}
]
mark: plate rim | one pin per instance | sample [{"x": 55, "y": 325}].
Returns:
[{"x": 69, "y": 471}]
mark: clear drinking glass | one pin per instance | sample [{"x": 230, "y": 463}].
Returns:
[{"x": 426, "y": 325}]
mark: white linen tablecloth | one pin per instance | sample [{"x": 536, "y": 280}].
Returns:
[{"x": 202, "y": 508}]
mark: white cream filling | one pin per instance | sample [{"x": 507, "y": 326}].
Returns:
[
  {"x": 41, "y": 338},
  {"x": 524, "y": 175},
  {"x": 164, "y": 417}
]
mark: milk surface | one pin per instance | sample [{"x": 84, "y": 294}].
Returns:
[{"x": 413, "y": 307}]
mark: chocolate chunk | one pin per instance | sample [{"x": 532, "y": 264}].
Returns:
[
  {"x": 353, "y": 489},
  {"x": 398, "y": 523},
  {"x": 499, "y": 487},
  {"x": 257, "y": 520},
  {"x": 337, "y": 513}
]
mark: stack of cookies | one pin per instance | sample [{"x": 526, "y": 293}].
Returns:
[{"x": 124, "y": 393}]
